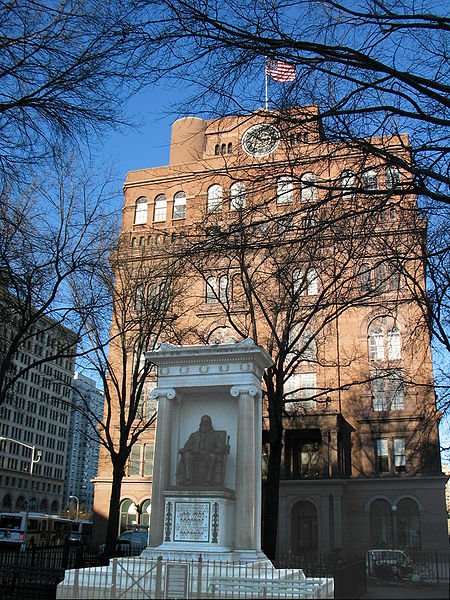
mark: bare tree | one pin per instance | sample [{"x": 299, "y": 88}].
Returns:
[
  {"x": 134, "y": 293},
  {"x": 67, "y": 70},
  {"x": 50, "y": 236}
]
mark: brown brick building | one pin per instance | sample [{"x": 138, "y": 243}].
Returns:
[{"x": 312, "y": 249}]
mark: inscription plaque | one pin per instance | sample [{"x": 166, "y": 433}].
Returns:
[{"x": 192, "y": 521}]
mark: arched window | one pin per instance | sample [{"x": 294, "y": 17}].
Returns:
[
  {"x": 309, "y": 189},
  {"x": 392, "y": 177},
  {"x": 304, "y": 527},
  {"x": 394, "y": 344},
  {"x": 348, "y": 184},
  {"x": 223, "y": 148},
  {"x": 54, "y": 507},
  {"x": 160, "y": 209},
  {"x": 128, "y": 515},
  {"x": 285, "y": 190},
  {"x": 179, "y": 206},
  {"x": 133, "y": 242},
  {"x": 140, "y": 215},
  {"x": 376, "y": 343},
  {"x": 7, "y": 502},
  {"x": 230, "y": 147},
  {"x": 215, "y": 195},
  {"x": 141, "y": 241},
  {"x": 217, "y": 149},
  {"x": 237, "y": 195},
  {"x": 43, "y": 506},
  {"x": 381, "y": 529},
  {"x": 20, "y": 503},
  {"x": 384, "y": 341},
  {"x": 370, "y": 179},
  {"x": 408, "y": 524},
  {"x": 146, "y": 510}
]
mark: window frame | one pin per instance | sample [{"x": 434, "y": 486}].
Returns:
[
  {"x": 214, "y": 198},
  {"x": 392, "y": 177},
  {"x": 177, "y": 213},
  {"x": 382, "y": 455},
  {"x": 370, "y": 180},
  {"x": 285, "y": 190},
  {"x": 308, "y": 182},
  {"x": 141, "y": 211},
  {"x": 237, "y": 195},
  {"x": 160, "y": 209}
]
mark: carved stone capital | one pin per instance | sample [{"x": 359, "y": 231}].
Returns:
[
  {"x": 159, "y": 393},
  {"x": 238, "y": 390}
]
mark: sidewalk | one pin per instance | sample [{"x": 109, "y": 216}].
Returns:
[{"x": 408, "y": 590}]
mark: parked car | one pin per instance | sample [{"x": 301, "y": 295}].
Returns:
[
  {"x": 388, "y": 564},
  {"x": 130, "y": 542},
  {"x": 135, "y": 539}
]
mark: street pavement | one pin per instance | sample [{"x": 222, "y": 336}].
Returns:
[{"x": 386, "y": 591}]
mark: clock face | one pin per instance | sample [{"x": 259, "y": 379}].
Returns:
[{"x": 261, "y": 140}]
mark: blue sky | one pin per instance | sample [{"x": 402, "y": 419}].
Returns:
[{"x": 146, "y": 144}]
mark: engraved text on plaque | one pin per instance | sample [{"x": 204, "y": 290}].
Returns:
[{"x": 192, "y": 521}]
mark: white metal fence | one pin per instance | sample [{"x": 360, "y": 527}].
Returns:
[{"x": 136, "y": 578}]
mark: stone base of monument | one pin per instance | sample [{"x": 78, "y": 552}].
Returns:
[{"x": 139, "y": 578}]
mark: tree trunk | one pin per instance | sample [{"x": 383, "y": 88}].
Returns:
[
  {"x": 271, "y": 500},
  {"x": 112, "y": 530}
]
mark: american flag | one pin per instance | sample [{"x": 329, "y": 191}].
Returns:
[{"x": 279, "y": 70}]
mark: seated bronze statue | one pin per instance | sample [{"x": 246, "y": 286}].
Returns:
[{"x": 202, "y": 459}]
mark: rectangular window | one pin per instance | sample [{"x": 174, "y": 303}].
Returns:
[
  {"x": 396, "y": 390},
  {"x": 378, "y": 388},
  {"x": 148, "y": 459},
  {"x": 308, "y": 387},
  {"x": 382, "y": 455},
  {"x": 399, "y": 455},
  {"x": 212, "y": 288},
  {"x": 135, "y": 460}
]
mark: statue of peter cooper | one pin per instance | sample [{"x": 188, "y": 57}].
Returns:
[{"x": 201, "y": 454}]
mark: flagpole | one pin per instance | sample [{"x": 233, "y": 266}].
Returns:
[{"x": 267, "y": 84}]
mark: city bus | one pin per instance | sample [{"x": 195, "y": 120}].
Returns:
[
  {"x": 42, "y": 529},
  {"x": 81, "y": 530}
]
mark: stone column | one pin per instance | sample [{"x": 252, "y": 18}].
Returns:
[
  {"x": 248, "y": 468},
  {"x": 161, "y": 467}
]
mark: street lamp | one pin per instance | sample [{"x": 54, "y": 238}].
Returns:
[
  {"x": 35, "y": 458},
  {"x": 77, "y": 504}
]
